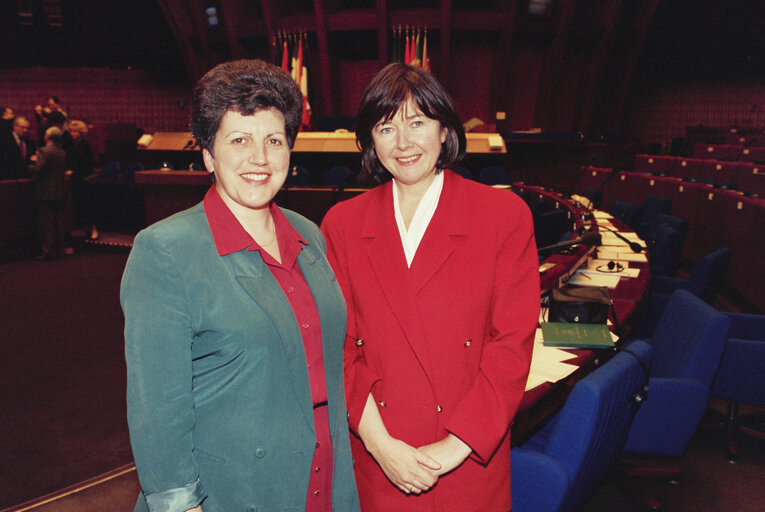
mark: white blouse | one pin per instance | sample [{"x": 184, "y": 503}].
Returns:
[{"x": 412, "y": 237}]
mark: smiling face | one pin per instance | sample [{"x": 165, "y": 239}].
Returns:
[
  {"x": 409, "y": 144},
  {"x": 251, "y": 159}
]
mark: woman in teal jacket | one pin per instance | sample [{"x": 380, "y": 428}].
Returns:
[{"x": 234, "y": 325}]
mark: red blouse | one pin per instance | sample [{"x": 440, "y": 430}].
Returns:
[{"x": 230, "y": 236}]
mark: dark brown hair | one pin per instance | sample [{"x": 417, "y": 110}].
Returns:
[
  {"x": 244, "y": 86},
  {"x": 386, "y": 93}
]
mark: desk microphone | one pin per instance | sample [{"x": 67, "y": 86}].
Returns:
[
  {"x": 589, "y": 238},
  {"x": 636, "y": 247}
]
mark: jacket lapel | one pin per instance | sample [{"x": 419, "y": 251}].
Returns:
[
  {"x": 446, "y": 227},
  {"x": 253, "y": 275}
]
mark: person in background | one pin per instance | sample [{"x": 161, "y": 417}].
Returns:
[
  {"x": 16, "y": 151},
  {"x": 49, "y": 169},
  {"x": 79, "y": 162},
  {"x": 51, "y": 114},
  {"x": 441, "y": 281},
  {"x": 234, "y": 325},
  {"x": 6, "y": 121}
]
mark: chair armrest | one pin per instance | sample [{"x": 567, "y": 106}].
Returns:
[
  {"x": 668, "y": 417},
  {"x": 539, "y": 482}
]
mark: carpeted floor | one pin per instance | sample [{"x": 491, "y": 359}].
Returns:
[
  {"x": 62, "y": 402},
  {"x": 62, "y": 388}
]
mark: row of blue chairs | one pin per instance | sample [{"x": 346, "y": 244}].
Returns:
[{"x": 694, "y": 353}]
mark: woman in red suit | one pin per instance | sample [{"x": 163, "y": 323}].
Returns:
[{"x": 440, "y": 277}]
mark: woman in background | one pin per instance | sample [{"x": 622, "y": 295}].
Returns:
[
  {"x": 440, "y": 276},
  {"x": 79, "y": 161}
]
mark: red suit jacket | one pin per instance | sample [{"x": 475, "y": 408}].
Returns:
[{"x": 444, "y": 346}]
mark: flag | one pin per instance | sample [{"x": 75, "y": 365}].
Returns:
[
  {"x": 395, "y": 54},
  {"x": 302, "y": 80},
  {"x": 407, "y": 50},
  {"x": 418, "y": 50},
  {"x": 305, "y": 122},
  {"x": 425, "y": 59},
  {"x": 299, "y": 64},
  {"x": 285, "y": 58}
]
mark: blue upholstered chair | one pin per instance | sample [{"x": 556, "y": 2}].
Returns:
[
  {"x": 595, "y": 196},
  {"x": 630, "y": 214},
  {"x": 688, "y": 344},
  {"x": 128, "y": 173},
  {"x": 705, "y": 281},
  {"x": 652, "y": 207},
  {"x": 297, "y": 176},
  {"x": 110, "y": 170},
  {"x": 550, "y": 226},
  {"x": 464, "y": 172},
  {"x": 687, "y": 347},
  {"x": 741, "y": 377},
  {"x": 664, "y": 248},
  {"x": 563, "y": 463},
  {"x": 335, "y": 175},
  {"x": 493, "y": 175},
  {"x": 672, "y": 256}
]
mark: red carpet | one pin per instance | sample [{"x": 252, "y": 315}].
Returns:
[{"x": 62, "y": 411}]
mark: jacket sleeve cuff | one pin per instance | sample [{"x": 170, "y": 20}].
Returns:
[{"x": 176, "y": 500}]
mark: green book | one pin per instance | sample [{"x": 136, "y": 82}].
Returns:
[{"x": 570, "y": 335}]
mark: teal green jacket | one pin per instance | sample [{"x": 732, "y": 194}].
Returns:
[{"x": 219, "y": 403}]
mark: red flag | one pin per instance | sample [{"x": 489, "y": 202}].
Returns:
[
  {"x": 299, "y": 60},
  {"x": 285, "y": 58}
]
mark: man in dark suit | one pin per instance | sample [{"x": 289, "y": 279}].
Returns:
[
  {"x": 49, "y": 168},
  {"x": 15, "y": 151}
]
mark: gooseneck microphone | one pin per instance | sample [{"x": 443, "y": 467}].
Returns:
[
  {"x": 589, "y": 238},
  {"x": 636, "y": 247}
]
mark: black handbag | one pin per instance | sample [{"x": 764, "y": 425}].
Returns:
[{"x": 581, "y": 305}]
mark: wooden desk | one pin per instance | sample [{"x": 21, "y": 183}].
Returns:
[{"x": 316, "y": 142}]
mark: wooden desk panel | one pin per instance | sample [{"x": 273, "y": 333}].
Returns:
[{"x": 316, "y": 142}]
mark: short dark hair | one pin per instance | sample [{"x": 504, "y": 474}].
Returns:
[
  {"x": 386, "y": 93},
  {"x": 55, "y": 99},
  {"x": 244, "y": 86}
]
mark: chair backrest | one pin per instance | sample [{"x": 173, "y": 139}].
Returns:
[
  {"x": 689, "y": 339},
  {"x": 128, "y": 173},
  {"x": 654, "y": 205},
  {"x": 493, "y": 175},
  {"x": 679, "y": 225},
  {"x": 664, "y": 250},
  {"x": 550, "y": 226},
  {"x": 595, "y": 196},
  {"x": 592, "y": 427},
  {"x": 110, "y": 170},
  {"x": 297, "y": 176},
  {"x": 630, "y": 214},
  {"x": 740, "y": 375},
  {"x": 464, "y": 172},
  {"x": 335, "y": 175},
  {"x": 709, "y": 273}
]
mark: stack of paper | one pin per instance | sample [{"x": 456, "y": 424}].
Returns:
[
  {"x": 618, "y": 254},
  {"x": 584, "y": 279},
  {"x": 547, "y": 363}
]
